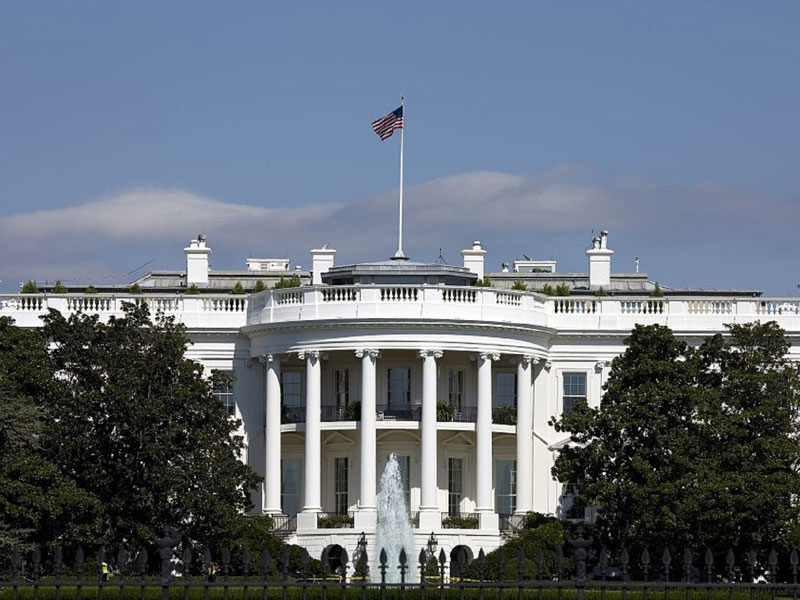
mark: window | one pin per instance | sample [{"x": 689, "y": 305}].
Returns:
[
  {"x": 341, "y": 504},
  {"x": 341, "y": 382},
  {"x": 454, "y": 488},
  {"x": 291, "y": 393},
  {"x": 506, "y": 499},
  {"x": 223, "y": 390},
  {"x": 572, "y": 506},
  {"x": 290, "y": 486},
  {"x": 455, "y": 389},
  {"x": 404, "y": 462},
  {"x": 399, "y": 396},
  {"x": 574, "y": 391},
  {"x": 505, "y": 389}
]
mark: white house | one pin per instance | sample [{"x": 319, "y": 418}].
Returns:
[{"x": 413, "y": 358}]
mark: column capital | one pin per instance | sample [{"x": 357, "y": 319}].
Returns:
[
  {"x": 371, "y": 352},
  {"x": 434, "y": 353},
  {"x": 303, "y": 354},
  {"x": 265, "y": 359},
  {"x": 601, "y": 364},
  {"x": 527, "y": 359},
  {"x": 493, "y": 356}
]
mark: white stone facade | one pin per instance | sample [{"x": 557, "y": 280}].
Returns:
[{"x": 303, "y": 358}]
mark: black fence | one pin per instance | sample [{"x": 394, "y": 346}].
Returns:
[{"x": 164, "y": 573}]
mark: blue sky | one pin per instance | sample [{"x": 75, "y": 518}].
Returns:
[{"x": 126, "y": 128}]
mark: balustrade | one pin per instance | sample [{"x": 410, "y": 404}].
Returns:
[
  {"x": 340, "y": 294},
  {"x": 400, "y": 294},
  {"x": 778, "y": 307},
  {"x": 574, "y": 306},
  {"x": 455, "y": 294},
  {"x": 508, "y": 298}
]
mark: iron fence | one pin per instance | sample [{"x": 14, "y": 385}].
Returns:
[{"x": 168, "y": 574}]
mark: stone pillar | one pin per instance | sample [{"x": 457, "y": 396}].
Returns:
[
  {"x": 483, "y": 445},
  {"x": 366, "y": 516},
  {"x": 313, "y": 449},
  {"x": 524, "y": 435},
  {"x": 429, "y": 515},
  {"x": 272, "y": 434}
]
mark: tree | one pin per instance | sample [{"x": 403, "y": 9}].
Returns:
[
  {"x": 291, "y": 282},
  {"x": 38, "y": 504},
  {"x": 238, "y": 288},
  {"x": 692, "y": 445},
  {"x": 29, "y": 287},
  {"x": 137, "y": 426},
  {"x": 519, "y": 285}
]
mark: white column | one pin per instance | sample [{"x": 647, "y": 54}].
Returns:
[
  {"x": 313, "y": 472},
  {"x": 272, "y": 444},
  {"x": 429, "y": 515},
  {"x": 367, "y": 502},
  {"x": 524, "y": 435},
  {"x": 483, "y": 445}
]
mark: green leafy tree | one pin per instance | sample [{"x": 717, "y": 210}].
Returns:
[
  {"x": 291, "y": 282},
  {"x": 193, "y": 290},
  {"x": 260, "y": 286},
  {"x": 485, "y": 282},
  {"x": 562, "y": 289},
  {"x": 519, "y": 285},
  {"x": 90, "y": 289},
  {"x": 238, "y": 288},
  {"x": 548, "y": 290},
  {"x": 692, "y": 445},
  {"x": 135, "y": 289},
  {"x": 38, "y": 504},
  {"x": 59, "y": 288},
  {"x": 29, "y": 287},
  {"x": 136, "y": 425},
  {"x": 656, "y": 292}
]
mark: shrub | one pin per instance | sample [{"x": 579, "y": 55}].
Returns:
[
  {"x": 601, "y": 292},
  {"x": 657, "y": 293},
  {"x": 457, "y": 522},
  {"x": 29, "y": 287},
  {"x": 193, "y": 290},
  {"x": 562, "y": 289},
  {"x": 90, "y": 289},
  {"x": 519, "y": 286},
  {"x": 135, "y": 289},
  {"x": 485, "y": 282},
  {"x": 444, "y": 412},
  {"x": 334, "y": 521},
  {"x": 505, "y": 415},
  {"x": 548, "y": 290},
  {"x": 238, "y": 288},
  {"x": 59, "y": 288},
  {"x": 352, "y": 412},
  {"x": 283, "y": 283},
  {"x": 260, "y": 286}
]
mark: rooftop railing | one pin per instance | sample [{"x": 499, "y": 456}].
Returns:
[{"x": 419, "y": 302}]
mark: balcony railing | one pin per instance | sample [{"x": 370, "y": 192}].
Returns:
[
  {"x": 392, "y": 413},
  {"x": 351, "y": 412},
  {"x": 460, "y": 521},
  {"x": 511, "y": 523},
  {"x": 335, "y": 520},
  {"x": 293, "y": 414},
  {"x": 284, "y": 526},
  {"x": 466, "y": 414}
]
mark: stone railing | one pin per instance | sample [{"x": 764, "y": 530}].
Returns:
[
  {"x": 194, "y": 311},
  {"x": 421, "y": 302}
]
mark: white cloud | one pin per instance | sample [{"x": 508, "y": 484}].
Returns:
[{"x": 122, "y": 230}]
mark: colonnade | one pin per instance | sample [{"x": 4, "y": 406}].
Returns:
[{"x": 429, "y": 511}]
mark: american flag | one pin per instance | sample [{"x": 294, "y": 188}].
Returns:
[{"x": 385, "y": 126}]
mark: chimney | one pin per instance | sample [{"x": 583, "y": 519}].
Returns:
[
  {"x": 474, "y": 258},
  {"x": 321, "y": 261},
  {"x": 197, "y": 261},
  {"x": 599, "y": 262}
]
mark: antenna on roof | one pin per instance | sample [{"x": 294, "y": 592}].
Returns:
[
  {"x": 526, "y": 256},
  {"x": 636, "y": 262},
  {"x": 441, "y": 259}
]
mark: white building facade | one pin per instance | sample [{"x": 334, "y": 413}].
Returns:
[{"x": 459, "y": 381}]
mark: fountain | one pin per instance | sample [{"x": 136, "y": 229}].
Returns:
[{"x": 393, "y": 530}]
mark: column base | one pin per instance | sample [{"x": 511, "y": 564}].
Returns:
[
  {"x": 489, "y": 521},
  {"x": 365, "y": 520},
  {"x": 430, "y": 520},
  {"x": 306, "y": 521}
]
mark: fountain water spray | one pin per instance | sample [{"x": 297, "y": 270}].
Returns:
[{"x": 393, "y": 531}]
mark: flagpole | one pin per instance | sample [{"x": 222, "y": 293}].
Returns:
[{"x": 399, "y": 253}]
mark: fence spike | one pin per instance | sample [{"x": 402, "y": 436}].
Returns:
[
  {"x": 520, "y": 563},
  {"x": 481, "y": 564},
  {"x": 186, "y": 561},
  {"x": 773, "y": 565},
  {"x": 265, "y": 562},
  {"x": 645, "y": 557},
  {"x": 501, "y": 562},
  {"x": 79, "y": 559},
  {"x": 58, "y": 560},
  {"x": 709, "y": 560},
  {"x": 423, "y": 560},
  {"x": 442, "y": 561},
  {"x": 122, "y": 559},
  {"x": 246, "y": 561},
  {"x": 141, "y": 561},
  {"x": 382, "y": 568}
]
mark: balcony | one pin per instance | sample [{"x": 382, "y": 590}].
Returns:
[
  {"x": 392, "y": 413},
  {"x": 335, "y": 520},
  {"x": 293, "y": 414},
  {"x": 460, "y": 520},
  {"x": 350, "y": 412}
]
